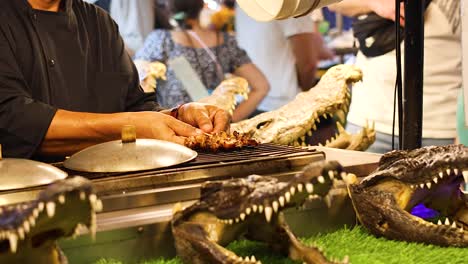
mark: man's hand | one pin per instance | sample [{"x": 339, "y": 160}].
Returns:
[
  {"x": 161, "y": 126},
  {"x": 386, "y": 9},
  {"x": 208, "y": 118}
]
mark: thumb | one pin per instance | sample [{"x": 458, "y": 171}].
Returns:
[
  {"x": 204, "y": 122},
  {"x": 183, "y": 129}
]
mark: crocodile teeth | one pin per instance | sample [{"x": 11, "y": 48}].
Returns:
[
  {"x": 237, "y": 220},
  {"x": 20, "y": 233},
  {"x": 454, "y": 225},
  {"x": 26, "y": 226},
  {"x": 412, "y": 186},
  {"x": 253, "y": 259},
  {"x": 314, "y": 127},
  {"x": 292, "y": 190},
  {"x": 435, "y": 180},
  {"x": 275, "y": 206},
  {"x": 441, "y": 175},
  {"x": 287, "y": 196},
  {"x": 248, "y": 211},
  {"x": 281, "y": 201},
  {"x": 421, "y": 185},
  {"x": 98, "y": 205},
  {"x": 300, "y": 187},
  {"x": 439, "y": 222},
  {"x": 447, "y": 221},
  {"x": 268, "y": 213},
  {"x": 254, "y": 208},
  {"x": 325, "y": 116},
  {"x": 310, "y": 188},
  {"x": 92, "y": 198},
  {"x": 428, "y": 184},
  {"x": 247, "y": 259},
  {"x": 82, "y": 196},
  {"x": 35, "y": 212},
  {"x": 40, "y": 207},
  {"x": 331, "y": 175},
  {"x": 260, "y": 208},
  {"x": 13, "y": 239},
  {"x": 448, "y": 171},
  {"x": 230, "y": 221},
  {"x": 242, "y": 216},
  {"x": 309, "y": 133},
  {"x": 455, "y": 171},
  {"x": 50, "y": 209},
  {"x": 61, "y": 199},
  {"x": 465, "y": 175},
  {"x": 321, "y": 179},
  {"x": 32, "y": 221}
]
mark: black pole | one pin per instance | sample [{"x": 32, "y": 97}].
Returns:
[{"x": 413, "y": 75}]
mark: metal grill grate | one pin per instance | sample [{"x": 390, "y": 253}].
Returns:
[
  {"x": 248, "y": 153},
  {"x": 262, "y": 151}
]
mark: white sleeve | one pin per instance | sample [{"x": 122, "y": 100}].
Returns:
[
  {"x": 135, "y": 20},
  {"x": 295, "y": 26}
]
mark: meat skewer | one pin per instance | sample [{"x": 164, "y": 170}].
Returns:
[{"x": 220, "y": 141}]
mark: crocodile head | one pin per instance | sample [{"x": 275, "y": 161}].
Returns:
[
  {"x": 28, "y": 231},
  {"x": 225, "y": 95},
  {"x": 227, "y": 210},
  {"x": 416, "y": 196},
  {"x": 292, "y": 123}
]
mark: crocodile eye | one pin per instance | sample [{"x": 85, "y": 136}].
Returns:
[{"x": 263, "y": 124}]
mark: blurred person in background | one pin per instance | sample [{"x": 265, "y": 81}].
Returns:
[
  {"x": 285, "y": 51},
  {"x": 199, "y": 45},
  {"x": 136, "y": 19},
  {"x": 224, "y": 19},
  {"x": 442, "y": 69}
]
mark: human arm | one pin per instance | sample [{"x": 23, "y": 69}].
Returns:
[
  {"x": 70, "y": 132},
  {"x": 299, "y": 32},
  {"x": 259, "y": 88},
  {"x": 351, "y": 8},
  {"x": 306, "y": 52},
  {"x": 383, "y": 8}
]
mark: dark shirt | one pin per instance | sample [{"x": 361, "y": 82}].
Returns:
[{"x": 73, "y": 60}]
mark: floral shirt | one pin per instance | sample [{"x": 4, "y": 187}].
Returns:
[{"x": 159, "y": 46}]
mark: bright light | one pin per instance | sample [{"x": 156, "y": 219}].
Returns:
[{"x": 212, "y": 4}]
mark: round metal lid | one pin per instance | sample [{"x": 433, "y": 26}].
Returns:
[
  {"x": 23, "y": 173},
  {"x": 129, "y": 154}
]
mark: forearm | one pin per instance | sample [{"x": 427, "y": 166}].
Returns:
[
  {"x": 70, "y": 132},
  {"x": 259, "y": 88},
  {"x": 306, "y": 51},
  {"x": 351, "y": 7},
  {"x": 306, "y": 76},
  {"x": 247, "y": 107}
]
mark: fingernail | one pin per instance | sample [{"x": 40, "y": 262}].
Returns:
[{"x": 199, "y": 131}]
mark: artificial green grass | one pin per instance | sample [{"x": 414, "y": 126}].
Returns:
[{"x": 357, "y": 243}]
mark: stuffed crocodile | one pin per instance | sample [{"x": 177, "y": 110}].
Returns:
[
  {"x": 415, "y": 196},
  {"x": 250, "y": 207},
  {"x": 225, "y": 95},
  {"x": 295, "y": 122},
  {"x": 28, "y": 231}
]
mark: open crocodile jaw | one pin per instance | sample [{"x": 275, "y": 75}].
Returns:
[
  {"x": 249, "y": 206},
  {"x": 28, "y": 231},
  {"x": 292, "y": 123},
  {"x": 266, "y": 196},
  {"x": 384, "y": 203}
]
